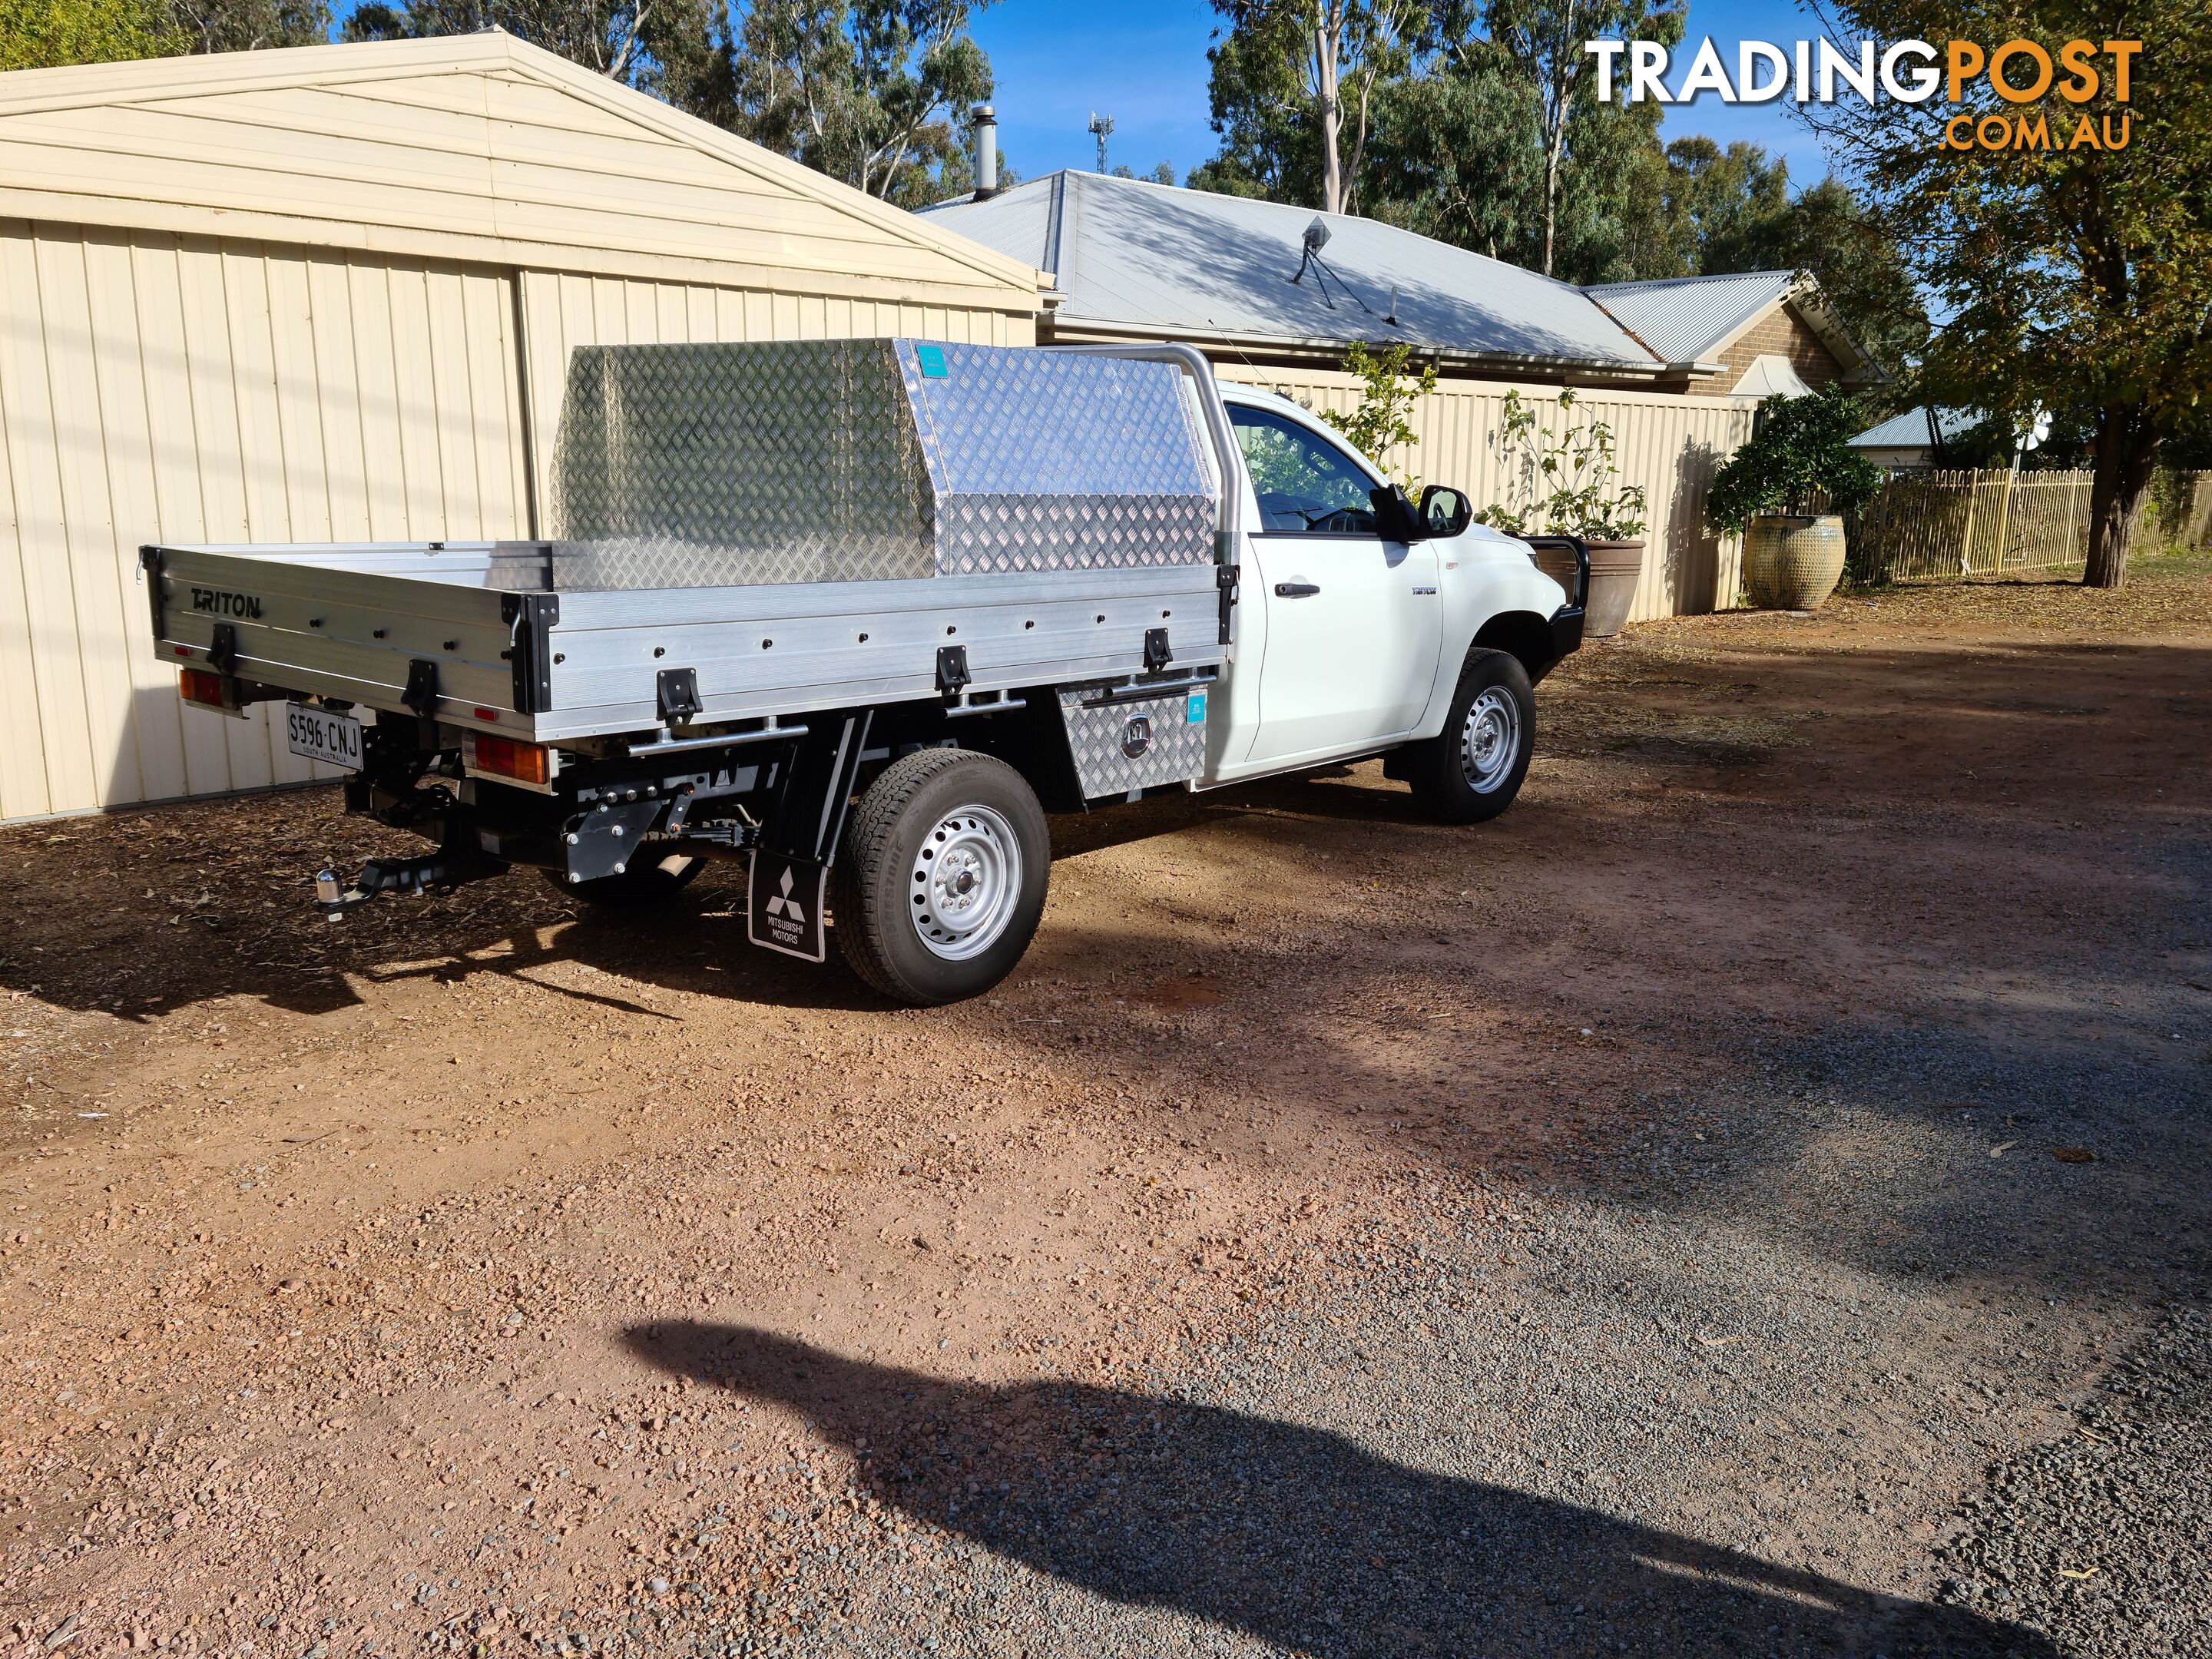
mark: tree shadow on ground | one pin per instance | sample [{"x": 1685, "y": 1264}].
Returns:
[{"x": 1296, "y": 1535}]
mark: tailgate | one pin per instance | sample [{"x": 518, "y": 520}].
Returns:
[{"x": 454, "y": 631}]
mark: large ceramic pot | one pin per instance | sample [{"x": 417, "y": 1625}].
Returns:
[
  {"x": 1615, "y": 569},
  {"x": 1792, "y": 562}
]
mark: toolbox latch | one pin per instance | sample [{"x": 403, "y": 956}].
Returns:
[
  {"x": 1157, "y": 654},
  {"x": 679, "y": 693}
]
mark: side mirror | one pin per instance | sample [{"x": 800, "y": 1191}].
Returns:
[
  {"x": 1396, "y": 518},
  {"x": 1444, "y": 512}
]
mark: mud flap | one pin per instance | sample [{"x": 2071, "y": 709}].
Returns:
[
  {"x": 790, "y": 864},
  {"x": 784, "y": 904}
]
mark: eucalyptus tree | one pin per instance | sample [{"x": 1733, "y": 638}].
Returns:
[{"x": 1310, "y": 70}]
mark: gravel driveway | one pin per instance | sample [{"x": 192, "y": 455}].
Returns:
[{"x": 1751, "y": 1199}]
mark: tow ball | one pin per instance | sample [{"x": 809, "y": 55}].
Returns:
[{"x": 432, "y": 872}]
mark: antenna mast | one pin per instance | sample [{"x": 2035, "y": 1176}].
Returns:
[{"x": 1101, "y": 125}]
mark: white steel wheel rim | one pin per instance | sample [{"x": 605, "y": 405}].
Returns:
[
  {"x": 1489, "y": 739},
  {"x": 966, "y": 881}
]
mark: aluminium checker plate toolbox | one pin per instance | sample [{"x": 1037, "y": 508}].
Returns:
[{"x": 1134, "y": 738}]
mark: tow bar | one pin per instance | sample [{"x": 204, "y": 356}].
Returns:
[{"x": 432, "y": 872}]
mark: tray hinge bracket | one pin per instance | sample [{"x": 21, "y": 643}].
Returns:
[
  {"x": 952, "y": 675},
  {"x": 421, "y": 692},
  {"x": 677, "y": 693}
]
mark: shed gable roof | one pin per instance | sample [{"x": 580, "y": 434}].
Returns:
[{"x": 478, "y": 146}]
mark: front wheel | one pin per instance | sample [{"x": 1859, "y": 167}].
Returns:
[
  {"x": 1471, "y": 769},
  {"x": 942, "y": 880}
]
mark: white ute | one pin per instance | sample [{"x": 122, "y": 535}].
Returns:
[{"x": 861, "y": 613}]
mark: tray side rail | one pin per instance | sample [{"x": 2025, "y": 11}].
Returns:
[{"x": 364, "y": 625}]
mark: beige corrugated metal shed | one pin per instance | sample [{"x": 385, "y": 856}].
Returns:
[{"x": 329, "y": 294}]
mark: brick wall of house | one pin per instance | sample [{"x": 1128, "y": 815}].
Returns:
[{"x": 1782, "y": 330}]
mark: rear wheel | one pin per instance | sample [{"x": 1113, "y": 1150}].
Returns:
[
  {"x": 942, "y": 879},
  {"x": 1473, "y": 768},
  {"x": 648, "y": 880}
]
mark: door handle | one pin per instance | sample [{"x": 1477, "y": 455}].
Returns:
[{"x": 1296, "y": 590}]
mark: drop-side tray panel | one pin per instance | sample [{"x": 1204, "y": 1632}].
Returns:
[{"x": 350, "y": 620}]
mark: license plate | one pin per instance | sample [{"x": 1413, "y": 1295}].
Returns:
[{"x": 320, "y": 735}]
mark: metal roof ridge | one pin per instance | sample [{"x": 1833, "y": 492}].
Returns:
[{"x": 1643, "y": 283}]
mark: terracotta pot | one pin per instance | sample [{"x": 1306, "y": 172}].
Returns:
[
  {"x": 1793, "y": 562},
  {"x": 1615, "y": 569}
]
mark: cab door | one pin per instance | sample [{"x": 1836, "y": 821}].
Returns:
[{"x": 1354, "y": 622}]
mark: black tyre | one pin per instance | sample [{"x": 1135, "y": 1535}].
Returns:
[
  {"x": 1473, "y": 768},
  {"x": 652, "y": 879},
  {"x": 941, "y": 879}
]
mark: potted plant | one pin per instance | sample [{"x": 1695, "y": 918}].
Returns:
[
  {"x": 1784, "y": 492},
  {"x": 1563, "y": 482}
]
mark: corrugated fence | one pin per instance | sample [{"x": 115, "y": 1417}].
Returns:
[{"x": 1670, "y": 444}]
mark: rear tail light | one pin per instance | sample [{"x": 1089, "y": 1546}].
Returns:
[
  {"x": 503, "y": 758},
  {"x": 198, "y": 685}
]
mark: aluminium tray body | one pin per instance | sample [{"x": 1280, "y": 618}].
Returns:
[
  {"x": 802, "y": 525},
  {"x": 511, "y": 655}
]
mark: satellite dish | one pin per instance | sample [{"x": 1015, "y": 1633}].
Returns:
[{"x": 1316, "y": 237}]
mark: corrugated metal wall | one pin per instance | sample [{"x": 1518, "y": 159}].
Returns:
[
  {"x": 160, "y": 388},
  {"x": 155, "y": 387},
  {"x": 1670, "y": 444}
]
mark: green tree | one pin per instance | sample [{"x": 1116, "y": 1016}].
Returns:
[
  {"x": 46, "y": 33},
  {"x": 2076, "y": 277},
  {"x": 1595, "y": 155},
  {"x": 1718, "y": 210},
  {"x": 251, "y": 24},
  {"x": 1458, "y": 152},
  {"x": 1293, "y": 90},
  {"x": 661, "y": 46},
  {"x": 1390, "y": 388},
  {"x": 1722, "y": 210},
  {"x": 1850, "y": 247},
  {"x": 1800, "y": 451},
  {"x": 871, "y": 92},
  {"x": 1253, "y": 93}
]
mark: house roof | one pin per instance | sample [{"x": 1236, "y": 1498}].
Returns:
[
  {"x": 1151, "y": 259},
  {"x": 1691, "y": 319},
  {"x": 1910, "y": 429},
  {"x": 1696, "y": 319},
  {"x": 479, "y": 146}
]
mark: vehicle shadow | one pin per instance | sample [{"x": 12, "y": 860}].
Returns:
[
  {"x": 1296, "y": 1536},
  {"x": 75, "y": 933}
]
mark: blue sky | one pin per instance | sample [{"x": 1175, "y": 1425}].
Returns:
[{"x": 1143, "y": 62}]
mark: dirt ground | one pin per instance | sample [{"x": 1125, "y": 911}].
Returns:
[{"x": 1679, "y": 1193}]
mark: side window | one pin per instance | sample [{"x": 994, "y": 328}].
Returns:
[{"x": 1305, "y": 484}]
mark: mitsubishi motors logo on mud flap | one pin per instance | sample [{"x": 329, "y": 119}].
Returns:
[
  {"x": 784, "y": 912},
  {"x": 783, "y": 904}
]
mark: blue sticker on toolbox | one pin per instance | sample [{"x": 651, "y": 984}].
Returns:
[
  {"x": 932, "y": 359},
  {"x": 1194, "y": 711}
]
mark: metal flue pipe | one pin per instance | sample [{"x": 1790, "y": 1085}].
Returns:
[{"x": 987, "y": 151}]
